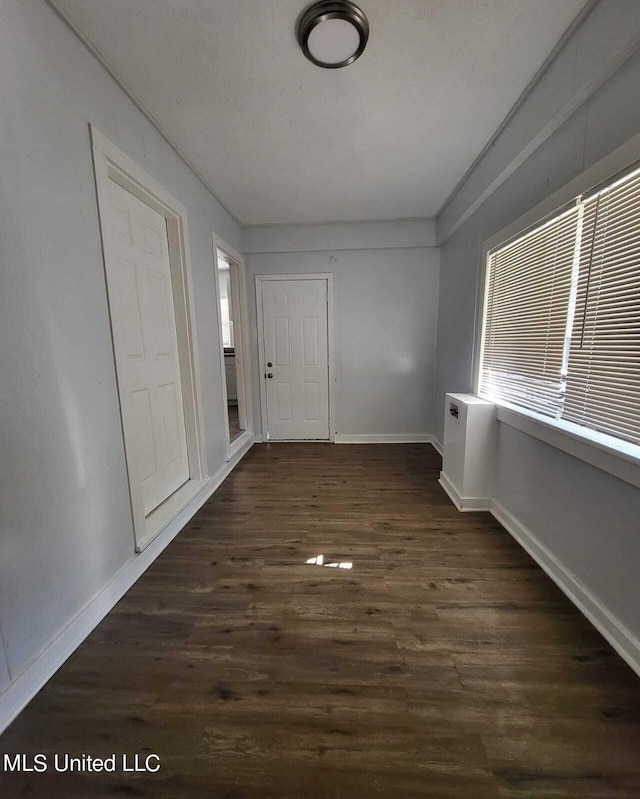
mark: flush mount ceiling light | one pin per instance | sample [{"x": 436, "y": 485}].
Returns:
[{"x": 333, "y": 33}]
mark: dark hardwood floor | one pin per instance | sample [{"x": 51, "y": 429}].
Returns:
[{"x": 444, "y": 663}]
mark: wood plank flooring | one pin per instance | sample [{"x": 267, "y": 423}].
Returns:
[{"x": 444, "y": 663}]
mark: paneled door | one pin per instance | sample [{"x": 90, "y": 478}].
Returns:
[
  {"x": 296, "y": 358},
  {"x": 146, "y": 347}
]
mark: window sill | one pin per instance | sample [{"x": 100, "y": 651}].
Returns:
[{"x": 618, "y": 458}]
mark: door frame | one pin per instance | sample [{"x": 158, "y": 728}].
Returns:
[
  {"x": 328, "y": 276},
  {"x": 110, "y": 163},
  {"x": 241, "y": 344}
]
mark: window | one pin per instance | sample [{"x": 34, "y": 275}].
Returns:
[
  {"x": 227, "y": 338},
  {"x": 225, "y": 307},
  {"x": 561, "y": 332}
]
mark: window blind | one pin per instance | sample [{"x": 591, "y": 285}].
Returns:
[
  {"x": 561, "y": 331},
  {"x": 528, "y": 294},
  {"x": 603, "y": 381}
]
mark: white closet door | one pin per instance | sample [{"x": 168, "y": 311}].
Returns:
[
  {"x": 296, "y": 345},
  {"x": 146, "y": 347}
]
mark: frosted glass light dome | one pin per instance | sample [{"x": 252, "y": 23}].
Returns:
[
  {"x": 333, "y": 41},
  {"x": 333, "y": 33}
]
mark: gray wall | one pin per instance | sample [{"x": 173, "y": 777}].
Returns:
[
  {"x": 64, "y": 519},
  {"x": 587, "y": 519},
  {"x": 385, "y": 316},
  {"x": 64, "y": 509}
]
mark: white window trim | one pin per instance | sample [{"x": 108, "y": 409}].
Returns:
[{"x": 610, "y": 454}]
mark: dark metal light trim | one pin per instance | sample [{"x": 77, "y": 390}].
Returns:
[{"x": 333, "y": 9}]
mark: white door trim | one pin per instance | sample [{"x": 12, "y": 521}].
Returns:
[
  {"x": 328, "y": 276},
  {"x": 110, "y": 163},
  {"x": 241, "y": 342}
]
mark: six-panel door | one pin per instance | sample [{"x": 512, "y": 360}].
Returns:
[
  {"x": 296, "y": 355},
  {"x": 146, "y": 347}
]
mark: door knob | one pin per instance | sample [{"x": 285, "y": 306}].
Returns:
[
  {"x": 269, "y": 364},
  {"x": 269, "y": 375}
]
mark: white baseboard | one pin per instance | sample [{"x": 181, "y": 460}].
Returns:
[
  {"x": 384, "y": 438},
  {"x": 621, "y": 639},
  {"x": 24, "y": 687},
  {"x": 379, "y": 438},
  {"x": 437, "y": 446},
  {"x": 463, "y": 504}
]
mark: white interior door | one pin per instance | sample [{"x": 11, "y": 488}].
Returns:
[
  {"x": 296, "y": 357},
  {"x": 146, "y": 347}
]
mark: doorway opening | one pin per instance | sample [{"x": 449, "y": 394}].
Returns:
[{"x": 230, "y": 291}]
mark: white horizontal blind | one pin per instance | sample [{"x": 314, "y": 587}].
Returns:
[
  {"x": 525, "y": 324},
  {"x": 603, "y": 383}
]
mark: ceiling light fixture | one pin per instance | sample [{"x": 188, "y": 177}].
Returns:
[{"x": 333, "y": 33}]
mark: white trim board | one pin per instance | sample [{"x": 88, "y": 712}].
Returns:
[
  {"x": 24, "y": 687},
  {"x": 463, "y": 504},
  {"x": 384, "y": 438},
  {"x": 621, "y": 639},
  {"x": 371, "y": 438}
]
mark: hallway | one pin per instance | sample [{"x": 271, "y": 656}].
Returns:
[{"x": 443, "y": 663}]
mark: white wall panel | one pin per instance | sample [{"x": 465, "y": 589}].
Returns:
[
  {"x": 64, "y": 508},
  {"x": 385, "y": 304}
]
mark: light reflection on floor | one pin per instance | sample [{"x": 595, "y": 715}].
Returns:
[{"x": 319, "y": 561}]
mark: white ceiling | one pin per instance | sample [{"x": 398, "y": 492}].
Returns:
[{"x": 282, "y": 141}]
